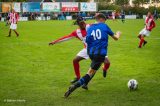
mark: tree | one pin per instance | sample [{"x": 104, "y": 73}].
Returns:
[
  {"x": 139, "y": 2},
  {"x": 122, "y": 2},
  {"x": 12, "y": 0}
]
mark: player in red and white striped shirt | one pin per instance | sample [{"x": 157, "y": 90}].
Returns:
[
  {"x": 81, "y": 33},
  {"x": 13, "y": 21},
  {"x": 149, "y": 25}
]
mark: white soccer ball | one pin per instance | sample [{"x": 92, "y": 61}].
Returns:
[{"x": 132, "y": 84}]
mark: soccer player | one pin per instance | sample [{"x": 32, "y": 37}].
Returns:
[
  {"x": 123, "y": 16},
  {"x": 7, "y": 18},
  {"x": 80, "y": 33},
  {"x": 97, "y": 42},
  {"x": 149, "y": 25},
  {"x": 114, "y": 15},
  {"x": 13, "y": 20}
]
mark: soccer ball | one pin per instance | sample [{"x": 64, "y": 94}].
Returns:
[{"x": 132, "y": 84}]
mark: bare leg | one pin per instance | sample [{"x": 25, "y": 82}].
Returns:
[
  {"x": 142, "y": 41},
  {"x": 9, "y": 33},
  {"x": 76, "y": 66},
  {"x": 16, "y": 33}
]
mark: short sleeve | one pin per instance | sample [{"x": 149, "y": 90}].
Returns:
[
  {"x": 109, "y": 31},
  {"x": 73, "y": 34}
]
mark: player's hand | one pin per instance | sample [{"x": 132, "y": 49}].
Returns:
[
  {"x": 118, "y": 34},
  {"x": 51, "y": 43}
]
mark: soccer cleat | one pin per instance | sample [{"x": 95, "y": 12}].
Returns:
[
  {"x": 104, "y": 73},
  {"x": 74, "y": 80},
  {"x": 145, "y": 42},
  {"x": 70, "y": 90},
  {"x": 84, "y": 86},
  {"x": 8, "y": 36},
  {"x": 139, "y": 47}
]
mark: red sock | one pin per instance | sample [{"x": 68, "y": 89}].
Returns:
[
  {"x": 106, "y": 66},
  {"x": 76, "y": 69},
  {"x": 141, "y": 42}
]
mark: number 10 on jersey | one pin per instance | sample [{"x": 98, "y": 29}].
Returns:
[{"x": 96, "y": 34}]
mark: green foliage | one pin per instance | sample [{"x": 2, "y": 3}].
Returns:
[
  {"x": 109, "y": 7},
  {"x": 12, "y": 0},
  {"x": 133, "y": 10},
  {"x": 121, "y": 2},
  {"x": 81, "y": 0}
]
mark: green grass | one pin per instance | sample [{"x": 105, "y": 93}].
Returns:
[{"x": 33, "y": 71}]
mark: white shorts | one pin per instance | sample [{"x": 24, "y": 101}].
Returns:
[
  {"x": 144, "y": 32},
  {"x": 83, "y": 53},
  {"x": 13, "y": 26}
]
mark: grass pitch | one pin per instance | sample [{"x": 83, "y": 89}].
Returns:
[{"x": 35, "y": 74}]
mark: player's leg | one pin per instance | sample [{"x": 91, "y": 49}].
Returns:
[
  {"x": 76, "y": 66},
  {"x": 83, "y": 80},
  {"x": 14, "y": 29},
  {"x": 95, "y": 65},
  {"x": 141, "y": 36},
  {"x": 145, "y": 42},
  {"x": 10, "y": 30},
  {"x": 106, "y": 66},
  {"x": 146, "y": 34},
  {"x": 9, "y": 33},
  {"x": 16, "y": 32},
  {"x": 141, "y": 41},
  {"x": 85, "y": 85},
  {"x": 80, "y": 56},
  {"x": 123, "y": 20}
]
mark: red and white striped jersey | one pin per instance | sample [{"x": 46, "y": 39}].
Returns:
[
  {"x": 13, "y": 18},
  {"x": 78, "y": 33},
  {"x": 149, "y": 23}
]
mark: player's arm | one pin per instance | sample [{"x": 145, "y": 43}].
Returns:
[
  {"x": 152, "y": 25},
  {"x": 115, "y": 36},
  {"x": 64, "y": 38},
  {"x": 17, "y": 17}
]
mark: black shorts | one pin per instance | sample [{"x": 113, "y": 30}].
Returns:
[{"x": 97, "y": 60}]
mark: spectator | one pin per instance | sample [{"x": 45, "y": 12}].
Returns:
[
  {"x": 0, "y": 16},
  {"x": 45, "y": 15}
]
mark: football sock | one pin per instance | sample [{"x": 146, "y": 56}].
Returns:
[
  {"x": 106, "y": 66},
  {"x": 76, "y": 69},
  {"x": 85, "y": 79},
  {"x": 89, "y": 79},
  {"x": 141, "y": 42}
]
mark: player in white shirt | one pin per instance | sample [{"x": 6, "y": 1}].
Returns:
[{"x": 13, "y": 23}]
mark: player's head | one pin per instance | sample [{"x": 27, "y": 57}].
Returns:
[
  {"x": 149, "y": 14},
  {"x": 81, "y": 23},
  {"x": 100, "y": 17}
]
